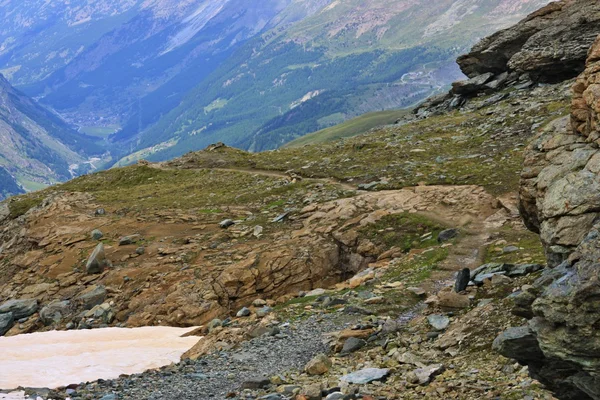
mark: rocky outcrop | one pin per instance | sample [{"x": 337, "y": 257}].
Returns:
[
  {"x": 560, "y": 199},
  {"x": 550, "y": 45},
  {"x": 560, "y": 187}
]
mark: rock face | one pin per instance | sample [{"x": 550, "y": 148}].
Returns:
[
  {"x": 550, "y": 44},
  {"x": 560, "y": 199},
  {"x": 560, "y": 186}
]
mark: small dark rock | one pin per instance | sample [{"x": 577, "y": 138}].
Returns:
[
  {"x": 226, "y": 223},
  {"x": 462, "y": 280},
  {"x": 448, "y": 234},
  {"x": 256, "y": 383},
  {"x": 352, "y": 344}
]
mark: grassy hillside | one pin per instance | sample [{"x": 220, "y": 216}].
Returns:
[{"x": 353, "y": 127}]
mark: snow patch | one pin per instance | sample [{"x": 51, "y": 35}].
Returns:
[{"x": 60, "y": 358}]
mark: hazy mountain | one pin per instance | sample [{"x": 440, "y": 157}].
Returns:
[
  {"x": 37, "y": 148},
  {"x": 174, "y": 76},
  {"x": 347, "y": 59}
]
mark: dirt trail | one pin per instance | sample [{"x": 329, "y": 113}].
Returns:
[{"x": 265, "y": 172}]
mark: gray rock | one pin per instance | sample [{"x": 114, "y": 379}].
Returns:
[
  {"x": 447, "y": 235},
  {"x": 272, "y": 396},
  {"x": 54, "y": 312},
  {"x": 426, "y": 374},
  {"x": 510, "y": 249},
  {"x": 438, "y": 322},
  {"x": 488, "y": 269},
  {"x": 481, "y": 278},
  {"x": 97, "y": 234},
  {"x": 256, "y": 383},
  {"x": 335, "y": 396},
  {"x": 523, "y": 269},
  {"x": 281, "y": 217},
  {"x": 244, "y": 312},
  {"x": 291, "y": 389},
  {"x": 100, "y": 212},
  {"x": 140, "y": 251},
  {"x": 264, "y": 311},
  {"x": 519, "y": 343},
  {"x": 550, "y": 45},
  {"x": 7, "y": 321},
  {"x": 368, "y": 186},
  {"x": 365, "y": 376},
  {"x": 472, "y": 86},
  {"x": 462, "y": 280},
  {"x": 353, "y": 344},
  {"x": 130, "y": 239},
  {"x": 257, "y": 231},
  {"x": 97, "y": 261},
  {"x": 19, "y": 308},
  {"x": 226, "y": 223},
  {"x": 215, "y": 323},
  {"x": 92, "y": 297},
  {"x": 4, "y": 211}
]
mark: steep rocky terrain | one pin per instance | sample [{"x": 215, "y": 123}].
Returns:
[
  {"x": 560, "y": 192},
  {"x": 37, "y": 147}
]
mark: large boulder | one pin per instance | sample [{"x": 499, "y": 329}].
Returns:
[
  {"x": 550, "y": 45},
  {"x": 560, "y": 199},
  {"x": 54, "y": 312},
  {"x": 97, "y": 261},
  {"x": 92, "y": 296},
  {"x": 19, "y": 308}
]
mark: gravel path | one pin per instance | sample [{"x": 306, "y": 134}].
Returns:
[{"x": 217, "y": 375}]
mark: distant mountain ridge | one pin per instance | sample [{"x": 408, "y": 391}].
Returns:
[{"x": 173, "y": 76}]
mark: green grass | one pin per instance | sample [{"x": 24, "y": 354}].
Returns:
[
  {"x": 32, "y": 186},
  {"x": 350, "y": 128},
  {"x": 215, "y": 105},
  {"x": 21, "y": 204},
  {"x": 417, "y": 270},
  {"x": 140, "y": 187},
  {"x": 457, "y": 148},
  {"x": 99, "y": 131},
  {"x": 529, "y": 244},
  {"x": 403, "y": 231}
]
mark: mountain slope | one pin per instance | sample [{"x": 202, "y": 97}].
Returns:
[
  {"x": 158, "y": 52},
  {"x": 343, "y": 61},
  {"x": 174, "y": 75},
  {"x": 36, "y": 147}
]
